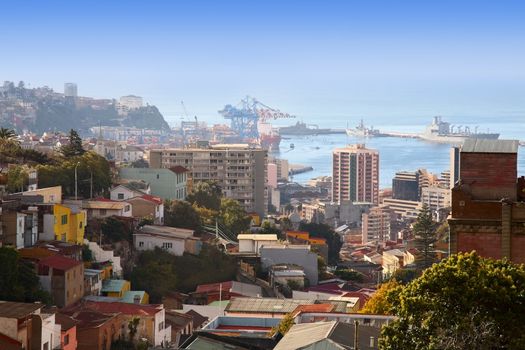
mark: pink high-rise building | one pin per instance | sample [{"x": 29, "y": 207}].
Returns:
[{"x": 355, "y": 174}]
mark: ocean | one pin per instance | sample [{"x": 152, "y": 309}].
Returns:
[{"x": 395, "y": 154}]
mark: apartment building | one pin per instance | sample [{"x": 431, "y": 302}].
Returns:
[
  {"x": 238, "y": 169},
  {"x": 355, "y": 174},
  {"x": 376, "y": 225}
]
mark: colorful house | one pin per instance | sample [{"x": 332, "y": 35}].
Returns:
[
  {"x": 135, "y": 297},
  {"x": 65, "y": 223},
  {"x": 115, "y": 288}
]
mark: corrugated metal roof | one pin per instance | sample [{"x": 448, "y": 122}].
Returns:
[
  {"x": 490, "y": 146},
  {"x": 265, "y": 305}
]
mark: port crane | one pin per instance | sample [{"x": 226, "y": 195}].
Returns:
[{"x": 247, "y": 113}]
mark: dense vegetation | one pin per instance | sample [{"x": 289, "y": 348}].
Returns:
[
  {"x": 463, "y": 302},
  {"x": 159, "y": 272},
  {"x": 332, "y": 239},
  {"x": 18, "y": 280}
]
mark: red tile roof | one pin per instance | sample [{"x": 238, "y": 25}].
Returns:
[
  {"x": 65, "y": 321},
  {"x": 125, "y": 308},
  {"x": 178, "y": 169},
  {"x": 214, "y": 287},
  {"x": 313, "y": 308},
  {"x": 151, "y": 198},
  {"x": 59, "y": 262}
]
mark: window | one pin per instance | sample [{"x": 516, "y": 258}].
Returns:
[
  {"x": 141, "y": 244},
  {"x": 80, "y": 224},
  {"x": 167, "y": 245},
  {"x": 103, "y": 212},
  {"x": 63, "y": 237},
  {"x": 161, "y": 326},
  {"x": 66, "y": 339},
  {"x": 64, "y": 219},
  {"x": 120, "y": 195},
  {"x": 127, "y": 208},
  {"x": 46, "y": 346}
]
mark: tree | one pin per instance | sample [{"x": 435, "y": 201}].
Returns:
[
  {"x": 425, "y": 236},
  {"x": 7, "y": 135},
  {"x": 17, "y": 178},
  {"x": 74, "y": 148},
  {"x": 269, "y": 228},
  {"x": 378, "y": 304},
  {"x": 349, "y": 275},
  {"x": 206, "y": 194},
  {"x": 140, "y": 163},
  {"x": 181, "y": 214},
  {"x": 234, "y": 216},
  {"x": 463, "y": 302},
  {"x": 284, "y": 326},
  {"x": 114, "y": 230},
  {"x": 18, "y": 280},
  {"x": 332, "y": 239}
]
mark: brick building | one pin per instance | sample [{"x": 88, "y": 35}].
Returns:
[{"x": 488, "y": 209}]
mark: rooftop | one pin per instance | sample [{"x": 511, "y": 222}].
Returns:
[
  {"x": 10, "y": 309},
  {"x": 59, "y": 262},
  {"x": 265, "y": 305},
  {"x": 129, "y": 296},
  {"x": 258, "y": 237},
  {"x": 124, "y": 308},
  {"x": 65, "y": 321},
  {"x": 113, "y": 285},
  {"x": 168, "y": 231},
  {"x": 474, "y": 145}
]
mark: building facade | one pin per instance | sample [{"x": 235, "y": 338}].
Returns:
[
  {"x": 238, "y": 169},
  {"x": 164, "y": 183},
  {"x": 355, "y": 174},
  {"x": 376, "y": 225}
]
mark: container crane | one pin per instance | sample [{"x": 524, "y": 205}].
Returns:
[{"x": 245, "y": 116}]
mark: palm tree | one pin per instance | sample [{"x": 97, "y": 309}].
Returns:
[{"x": 7, "y": 134}]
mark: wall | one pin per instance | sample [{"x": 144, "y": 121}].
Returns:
[
  {"x": 164, "y": 183},
  {"x": 302, "y": 257},
  {"x": 150, "y": 242},
  {"x": 102, "y": 255}
]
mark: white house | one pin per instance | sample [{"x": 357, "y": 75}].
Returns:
[
  {"x": 174, "y": 240},
  {"x": 252, "y": 243},
  {"x": 124, "y": 192},
  {"x": 103, "y": 208}
]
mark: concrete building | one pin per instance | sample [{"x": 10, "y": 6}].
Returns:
[
  {"x": 487, "y": 201},
  {"x": 393, "y": 260},
  {"x": 252, "y": 243},
  {"x": 128, "y": 103},
  {"x": 238, "y": 169},
  {"x": 164, "y": 183},
  {"x": 103, "y": 208},
  {"x": 436, "y": 198},
  {"x": 403, "y": 209},
  {"x": 376, "y": 225},
  {"x": 283, "y": 167},
  {"x": 405, "y": 186},
  {"x": 147, "y": 206},
  {"x": 25, "y": 326},
  {"x": 291, "y": 254},
  {"x": 174, "y": 240},
  {"x": 70, "y": 90},
  {"x": 355, "y": 174},
  {"x": 63, "y": 278},
  {"x": 124, "y": 192}
]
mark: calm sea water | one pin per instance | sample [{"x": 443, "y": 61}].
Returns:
[{"x": 395, "y": 154}]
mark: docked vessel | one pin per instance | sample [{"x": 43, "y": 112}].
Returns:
[
  {"x": 440, "y": 131},
  {"x": 302, "y": 129},
  {"x": 363, "y": 131}
]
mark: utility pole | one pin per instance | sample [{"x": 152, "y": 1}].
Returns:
[
  {"x": 356, "y": 335},
  {"x": 76, "y": 181}
]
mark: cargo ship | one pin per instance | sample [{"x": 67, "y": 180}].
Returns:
[
  {"x": 363, "y": 131},
  {"x": 440, "y": 131},
  {"x": 269, "y": 137},
  {"x": 302, "y": 129}
]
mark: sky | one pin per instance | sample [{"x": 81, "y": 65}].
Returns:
[{"x": 317, "y": 60}]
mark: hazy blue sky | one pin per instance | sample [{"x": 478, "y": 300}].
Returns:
[{"x": 313, "y": 59}]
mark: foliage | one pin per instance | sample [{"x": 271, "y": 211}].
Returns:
[
  {"x": 349, "y": 275},
  {"x": 155, "y": 273},
  {"x": 132, "y": 327},
  {"x": 206, "y": 194},
  {"x": 159, "y": 272},
  {"x": 269, "y": 228},
  {"x": 284, "y": 326},
  {"x": 63, "y": 173},
  {"x": 74, "y": 148},
  {"x": 379, "y": 304},
  {"x": 114, "y": 230},
  {"x": 140, "y": 163},
  {"x": 293, "y": 285},
  {"x": 463, "y": 302},
  {"x": 332, "y": 239},
  {"x": 181, "y": 214},
  {"x": 147, "y": 220},
  {"x": 17, "y": 178},
  {"x": 147, "y": 117},
  {"x": 18, "y": 280},
  {"x": 87, "y": 254},
  {"x": 234, "y": 216},
  {"x": 425, "y": 236},
  {"x": 405, "y": 275}
]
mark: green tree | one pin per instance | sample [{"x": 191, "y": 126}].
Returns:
[
  {"x": 234, "y": 216},
  {"x": 155, "y": 273},
  {"x": 140, "y": 163},
  {"x": 349, "y": 275},
  {"x": 425, "y": 236},
  {"x": 332, "y": 239},
  {"x": 18, "y": 280},
  {"x": 17, "y": 178},
  {"x": 269, "y": 228},
  {"x": 74, "y": 148},
  {"x": 114, "y": 230},
  {"x": 87, "y": 254},
  {"x": 463, "y": 302},
  {"x": 206, "y": 194},
  {"x": 7, "y": 135},
  {"x": 181, "y": 214}
]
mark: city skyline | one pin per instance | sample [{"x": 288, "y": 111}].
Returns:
[{"x": 370, "y": 59}]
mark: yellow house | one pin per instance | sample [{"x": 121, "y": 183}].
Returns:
[
  {"x": 50, "y": 195},
  {"x": 68, "y": 225},
  {"x": 115, "y": 288}
]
